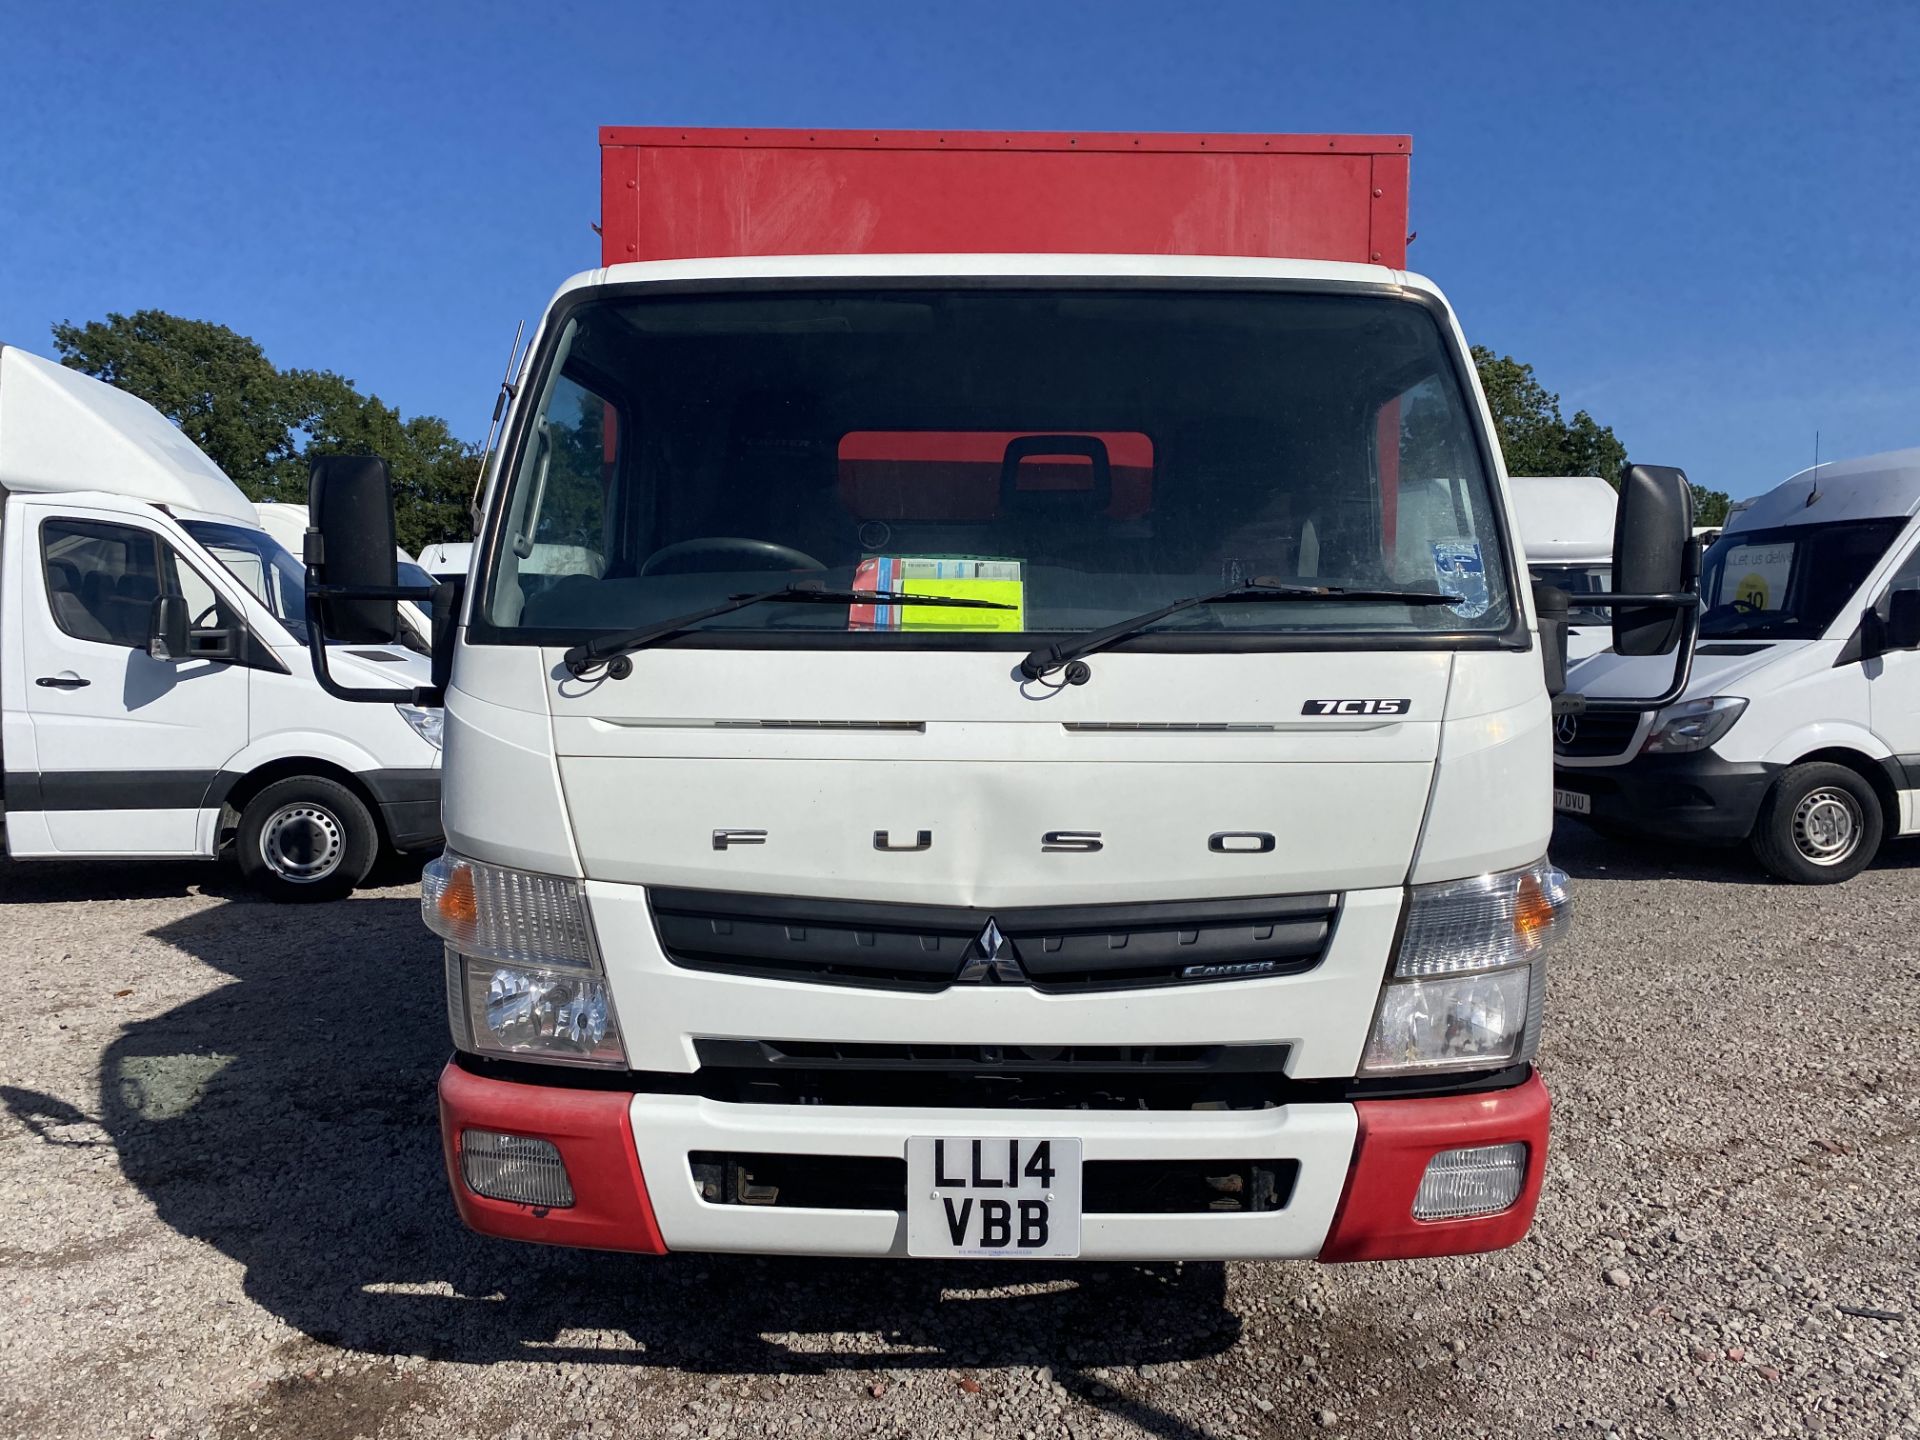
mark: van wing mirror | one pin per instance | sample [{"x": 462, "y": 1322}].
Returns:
[
  {"x": 353, "y": 573},
  {"x": 1901, "y": 629},
  {"x": 1651, "y": 532},
  {"x": 167, "y": 627}
]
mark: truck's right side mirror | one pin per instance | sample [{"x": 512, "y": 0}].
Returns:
[
  {"x": 350, "y": 500},
  {"x": 167, "y": 626},
  {"x": 1652, "y": 532}
]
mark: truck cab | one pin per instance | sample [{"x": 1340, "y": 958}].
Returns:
[
  {"x": 1796, "y": 733},
  {"x": 158, "y": 697},
  {"x": 1049, "y": 754}
]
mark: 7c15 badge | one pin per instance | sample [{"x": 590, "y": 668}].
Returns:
[{"x": 1356, "y": 707}]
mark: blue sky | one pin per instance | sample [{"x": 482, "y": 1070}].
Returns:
[{"x": 1697, "y": 221}]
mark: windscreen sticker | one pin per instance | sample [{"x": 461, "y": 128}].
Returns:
[
  {"x": 1754, "y": 577},
  {"x": 959, "y": 577},
  {"x": 1460, "y": 570}
]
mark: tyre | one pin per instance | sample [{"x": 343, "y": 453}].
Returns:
[
  {"x": 1820, "y": 824},
  {"x": 305, "y": 839}
]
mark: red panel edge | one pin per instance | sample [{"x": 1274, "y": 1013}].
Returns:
[
  {"x": 677, "y": 136},
  {"x": 594, "y": 1135},
  {"x": 1396, "y": 1140},
  {"x": 1387, "y": 217}
]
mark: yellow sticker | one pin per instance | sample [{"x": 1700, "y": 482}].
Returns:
[{"x": 943, "y": 617}]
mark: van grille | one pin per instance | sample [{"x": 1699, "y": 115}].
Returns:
[
  {"x": 1054, "y": 949},
  {"x": 1597, "y": 733}
]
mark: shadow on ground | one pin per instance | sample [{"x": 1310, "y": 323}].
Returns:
[
  {"x": 287, "y": 1118},
  {"x": 1587, "y": 855}
]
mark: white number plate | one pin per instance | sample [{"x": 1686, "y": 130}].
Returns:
[
  {"x": 1573, "y": 802},
  {"x": 1010, "y": 1199}
]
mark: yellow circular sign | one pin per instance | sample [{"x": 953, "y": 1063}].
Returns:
[{"x": 1752, "y": 591}]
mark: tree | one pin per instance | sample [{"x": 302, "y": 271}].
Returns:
[
  {"x": 263, "y": 425},
  {"x": 1537, "y": 441}
]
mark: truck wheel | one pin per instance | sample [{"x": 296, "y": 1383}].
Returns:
[
  {"x": 1819, "y": 825},
  {"x": 305, "y": 839}
]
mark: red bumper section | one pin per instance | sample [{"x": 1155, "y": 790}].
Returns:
[
  {"x": 1398, "y": 1137},
  {"x": 1374, "y": 1221},
  {"x": 590, "y": 1128}
]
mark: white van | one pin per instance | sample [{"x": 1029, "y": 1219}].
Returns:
[
  {"x": 447, "y": 559},
  {"x": 1566, "y": 530},
  {"x": 1800, "y": 730},
  {"x": 159, "y": 699},
  {"x": 287, "y": 523}
]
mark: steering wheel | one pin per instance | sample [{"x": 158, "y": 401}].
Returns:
[
  {"x": 726, "y": 552},
  {"x": 207, "y": 616}
]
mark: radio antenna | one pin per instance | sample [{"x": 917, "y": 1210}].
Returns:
[
  {"x": 1814, "y": 493},
  {"x": 493, "y": 426}
]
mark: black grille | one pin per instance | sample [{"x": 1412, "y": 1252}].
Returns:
[
  {"x": 1051, "y": 948},
  {"x": 1108, "y": 1187},
  {"x": 951, "y": 1059},
  {"x": 1596, "y": 733}
]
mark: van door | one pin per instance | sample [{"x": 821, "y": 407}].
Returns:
[
  {"x": 1893, "y": 687},
  {"x": 125, "y": 751}
]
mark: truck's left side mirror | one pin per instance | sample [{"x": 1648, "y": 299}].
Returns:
[
  {"x": 1652, "y": 535},
  {"x": 353, "y": 574},
  {"x": 167, "y": 625},
  {"x": 350, "y": 500}
]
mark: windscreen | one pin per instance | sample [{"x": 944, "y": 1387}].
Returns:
[
  {"x": 1074, "y": 457},
  {"x": 1788, "y": 583},
  {"x": 263, "y": 565}
]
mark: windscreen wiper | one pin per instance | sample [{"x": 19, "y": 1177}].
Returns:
[
  {"x": 590, "y": 655},
  {"x": 1046, "y": 659}
]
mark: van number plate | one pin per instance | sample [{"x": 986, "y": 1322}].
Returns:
[
  {"x": 993, "y": 1197},
  {"x": 1572, "y": 802}
]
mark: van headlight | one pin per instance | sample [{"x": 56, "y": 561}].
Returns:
[
  {"x": 1469, "y": 979},
  {"x": 523, "y": 971},
  {"x": 428, "y": 721},
  {"x": 1692, "y": 725}
]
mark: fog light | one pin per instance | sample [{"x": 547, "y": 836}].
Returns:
[
  {"x": 514, "y": 1167},
  {"x": 1483, "y": 1180}
]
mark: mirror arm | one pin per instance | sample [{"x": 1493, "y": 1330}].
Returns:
[
  {"x": 1688, "y": 604},
  {"x": 317, "y": 640}
]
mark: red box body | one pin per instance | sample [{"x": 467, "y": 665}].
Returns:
[{"x": 673, "y": 194}]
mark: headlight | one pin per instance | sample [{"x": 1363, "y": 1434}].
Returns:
[
  {"x": 1692, "y": 725},
  {"x": 427, "y": 722},
  {"x": 522, "y": 969},
  {"x": 1469, "y": 981}
]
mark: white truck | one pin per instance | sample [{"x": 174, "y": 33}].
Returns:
[
  {"x": 159, "y": 700},
  {"x": 1014, "y": 780},
  {"x": 1566, "y": 531},
  {"x": 1800, "y": 732}
]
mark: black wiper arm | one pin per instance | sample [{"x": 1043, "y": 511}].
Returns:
[
  {"x": 591, "y": 654},
  {"x": 1047, "y": 658}
]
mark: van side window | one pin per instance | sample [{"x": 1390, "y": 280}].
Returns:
[
  {"x": 101, "y": 579},
  {"x": 1907, "y": 577}
]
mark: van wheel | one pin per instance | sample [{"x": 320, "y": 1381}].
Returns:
[
  {"x": 305, "y": 839},
  {"x": 1819, "y": 825}
]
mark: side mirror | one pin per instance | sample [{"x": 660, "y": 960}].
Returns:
[
  {"x": 1901, "y": 629},
  {"x": 350, "y": 546},
  {"x": 167, "y": 626},
  {"x": 1550, "y": 605},
  {"x": 1652, "y": 538}
]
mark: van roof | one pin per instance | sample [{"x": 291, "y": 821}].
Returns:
[
  {"x": 1872, "y": 487},
  {"x": 61, "y": 431},
  {"x": 1564, "y": 519}
]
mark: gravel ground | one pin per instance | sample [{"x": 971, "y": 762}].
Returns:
[{"x": 225, "y": 1213}]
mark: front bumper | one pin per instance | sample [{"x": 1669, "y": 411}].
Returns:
[
  {"x": 1697, "y": 797},
  {"x": 409, "y": 802},
  {"x": 1359, "y": 1165}
]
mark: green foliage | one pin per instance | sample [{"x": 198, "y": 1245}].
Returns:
[
  {"x": 262, "y": 425},
  {"x": 1534, "y": 437},
  {"x": 1538, "y": 441}
]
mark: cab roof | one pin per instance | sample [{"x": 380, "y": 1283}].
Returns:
[
  {"x": 1564, "y": 519},
  {"x": 63, "y": 432},
  {"x": 1880, "y": 486}
]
